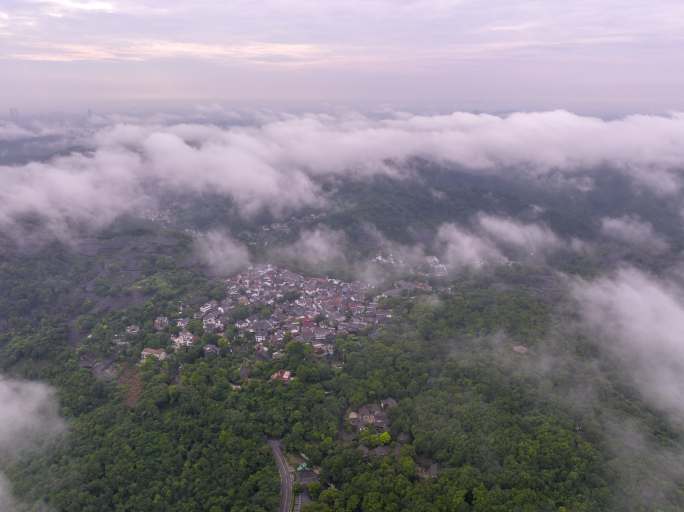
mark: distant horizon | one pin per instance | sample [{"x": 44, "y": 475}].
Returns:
[{"x": 185, "y": 109}]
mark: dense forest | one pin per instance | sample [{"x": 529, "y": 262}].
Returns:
[
  {"x": 500, "y": 401},
  {"x": 477, "y": 426}
]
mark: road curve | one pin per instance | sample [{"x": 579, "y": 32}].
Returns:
[{"x": 286, "y": 477}]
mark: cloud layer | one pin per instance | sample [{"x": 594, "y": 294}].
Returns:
[
  {"x": 221, "y": 253},
  {"x": 641, "y": 319},
  {"x": 533, "y": 239},
  {"x": 276, "y": 165},
  {"x": 494, "y": 240},
  {"x": 463, "y": 249},
  {"x": 633, "y": 231},
  {"x": 319, "y": 247},
  {"x": 29, "y": 417}
]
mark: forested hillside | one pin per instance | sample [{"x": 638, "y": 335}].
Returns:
[
  {"x": 426, "y": 338},
  {"x": 483, "y": 421}
]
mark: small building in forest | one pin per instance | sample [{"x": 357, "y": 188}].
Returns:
[
  {"x": 211, "y": 350},
  {"x": 282, "y": 376},
  {"x": 161, "y": 323},
  {"x": 156, "y": 353}
]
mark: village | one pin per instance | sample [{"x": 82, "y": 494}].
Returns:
[{"x": 269, "y": 306}]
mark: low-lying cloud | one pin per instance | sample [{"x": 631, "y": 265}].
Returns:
[
  {"x": 460, "y": 248},
  {"x": 221, "y": 253},
  {"x": 29, "y": 418},
  {"x": 532, "y": 238},
  {"x": 494, "y": 240},
  {"x": 275, "y": 165},
  {"x": 640, "y": 318},
  {"x": 317, "y": 247},
  {"x": 635, "y": 232}
]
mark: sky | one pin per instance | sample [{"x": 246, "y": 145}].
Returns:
[{"x": 606, "y": 57}]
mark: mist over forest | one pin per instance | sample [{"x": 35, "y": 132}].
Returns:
[
  {"x": 341, "y": 256},
  {"x": 527, "y": 268}
]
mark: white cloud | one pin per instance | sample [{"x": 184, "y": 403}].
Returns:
[
  {"x": 641, "y": 319},
  {"x": 29, "y": 414},
  {"x": 29, "y": 418},
  {"x": 633, "y": 231},
  {"x": 60, "y": 8},
  {"x": 221, "y": 253},
  {"x": 140, "y": 50},
  {"x": 316, "y": 247},
  {"x": 519, "y": 27},
  {"x": 11, "y": 131},
  {"x": 532, "y": 238},
  {"x": 275, "y": 165},
  {"x": 494, "y": 240},
  {"x": 7, "y": 502},
  {"x": 460, "y": 248}
]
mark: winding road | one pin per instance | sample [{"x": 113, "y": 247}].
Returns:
[{"x": 286, "y": 476}]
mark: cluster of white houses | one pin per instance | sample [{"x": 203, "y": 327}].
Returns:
[
  {"x": 269, "y": 305},
  {"x": 309, "y": 309}
]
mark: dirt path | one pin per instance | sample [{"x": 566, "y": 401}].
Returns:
[{"x": 130, "y": 379}]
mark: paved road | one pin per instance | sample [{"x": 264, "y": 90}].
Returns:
[{"x": 286, "y": 476}]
